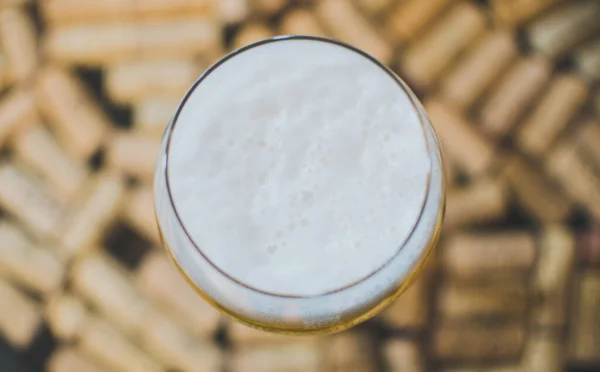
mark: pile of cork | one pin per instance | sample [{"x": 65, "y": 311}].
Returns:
[{"x": 511, "y": 86}]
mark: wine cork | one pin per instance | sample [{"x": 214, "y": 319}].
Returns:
[
  {"x": 409, "y": 18},
  {"x": 588, "y": 138},
  {"x": 478, "y": 343},
  {"x": 576, "y": 177},
  {"x": 516, "y": 12},
  {"x": 473, "y": 74},
  {"x": 482, "y": 301},
  {"x": 403, "y": 355},
  {"x": 233, "y": 11},
  {"x": 33, "y": 267},
  {"x": 37, "y": 147},
  {"x": 175, "y": 349},
  {"x": 251, "y": 33},
  {"x": 301, "y": 22},
  {"x": 501, "y": 368},
  {"x": 73, "y": 11},
  {"x": 4, "y": 71},
  {"x": 269, "y": 7},
  {"x": 348, "y": 351},
  {"x": 543, "y": 352},
  {"x": 588, "y": 246},
  {"x": 584, "y": 331},
  {"x": 160, "y": 281},
  {"x": 241, "y": 335},
  {"x": 26, "y": 198},
  {"x": 536, "y": 193},
  {"x": 118, "y": 41},
  {"x": 151, "y": 115},
  {"x": 480, "y": 202},
  {"x": 8, "y": 3},
  {"x": 551, "y": 276},
  {"x": 20, "y": 316},
  {"x": 512, "y": 95},
  {"x": 77, "y": 121},
  {"x": 139, "y": 213},
  {"x": 68, "y": 359},
  {"x": 65, "y": 315},
  {"x": 301, "y": 357},
  {"x": 563, "y": 99},
  {"x": 17, "y": 109},
  {"x": 425, "y": 60},
  {"x": 587, "y": 60},
  {"x": 106, "y": 285},
  {"x": 557, "y": 32},
  {"x": 18, "y": 38},
  {"x": 411, "y": 310},
  {"x": 102, "y": 342},
  {"x": 467, "y": 149},
  {"x": 134, "y": 155},
  {"x": 347, "y": 24},
  {"x": 479, "y": 254},
  {"x": 89, "y": 216},
  {"x": 134, "y": 81}
]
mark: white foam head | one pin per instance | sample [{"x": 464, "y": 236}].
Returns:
[{"x": 298, "y": 167}]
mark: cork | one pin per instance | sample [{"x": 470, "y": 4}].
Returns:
[
  {"x": 469, "y": 150},
  {"x": 175, "y": 348},
  {"x": 455, "y": 341},
  {"x": 20, "y": 316},
  {"x": 33, "y": 267},
  {"x": 65, "y": 314},
  {"x": 587, "y": 60},
  {"x": 107, "y": 286},
  {"x": 78, "y": 122},
  {"x": 133, "y": 155},
  {"x": 301, "y": 22},
  {"x": 537, "y": 194},
  {"x": 408, "y": 18},
  {"x": 102, "y": 342},
  {"x": 90, "y": 214},
  {"x": 24, "y": 197},
  {"x": 57, "y": 12},
  {"x": 576, "y": 177},
  {"x": 500, "y": 368},
  {"x": 18, "y": 39},
  {"x": 36, "y": 147},
  {"x": 517, "y": 12},
  {"x": 9, "y": 3},
  {"x": 587, "y": 138},
  {"x": 543, "y": 351},
  {"x": 588, "y": 246},
  {"x": 4, "y": 71},
  {"x": 512, "y": 95},
  {"x": 481, "y": 254},
  {"x": 233, "y": 11},
  {"x": 139, "y": 212},
  {"x": 152, "y": 114},
  {"x": 403, "y": 355},
  {"x": 483, "y": 201},
  {"x": 563, "y": 99},
  {"x": 426, "y": 60},
  {"x": 117, "y": 41},
  {"x": 244, "y": 336},
  {"x": 301, "y": 357},
  {"x": 345, "y": 22},
  {"x": 68, "y": 359},
  {"x": 137, "y": 80},
  {"x": 17, "y": 109},
  {"x": 474, "y": 73},
  {"x": 584, "y": 332},
  {"x": 375, "y": 7},
  {"x": 503, "y": 299},
  {"x": 159, "y": 280},
  {"x": 251, "y": 33},
  {"x": 348, "y": 351},
  {"x": 557, "y": 32},
  {"x": 268, "y": 7}
]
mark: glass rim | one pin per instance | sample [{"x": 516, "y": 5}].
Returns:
[{"x": 415, "y": 103}]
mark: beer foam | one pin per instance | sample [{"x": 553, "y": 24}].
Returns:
[{"x": 298, "y": 167}]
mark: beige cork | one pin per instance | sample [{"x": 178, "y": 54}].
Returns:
[
  {"x": 459, "y": 139},
  {"x": 376, "y": 8},
  {"x": 18, "y": 39},
  {"x": 512, "y": 95},
  {"x": 473, "y": 74},
  {"x": 403, "y": 355},
  {"x": 251, "y": 33},
  {"x": 158, "y": 278},
  {"x": 301, "y": 22},
  {"x": 119, "y": 41},
  {"x": 559, "y": 104},
  {"x": 481, "y": 254},
  {"x": 587, "y": 60},
  {"x": 483, "y": 201},
  {"x": 20, "y": 316},
  {"x": 78, "y": 122},
  {"x": 584, "y": 332},
  {"x": 300, "y": 357},
  {"x": 138, "y": 80},
  {"x": 426, "y": 60},
  {"x": 517, "y": 12},
  {"x": 133, "y": 155},
  {"x": 588, "y": 246},
  {"x": 152, "y": 114},
  {"x": 17, "y": 109},
  {"x": 242, "y": 336},
  {"x": 4, "y": 71},
  {"x": 68, "y": 359},
  {"x": 268, "y": 7},
  {"x": 409, "y": 18},
  {"x": 35, "y": 268},
  {"x": 544, "y": 351},
  {"x": 139, "y": 212},
  {"x": 588, "y": 138},
  {"x": 346, "y": 23},
  {"x": 233, "y": 11},
  {"x": 65, "y": 314},
  {"x": 347, "y": 351}
]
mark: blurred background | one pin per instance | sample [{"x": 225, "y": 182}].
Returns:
[{"x": 511, "y": 86}]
